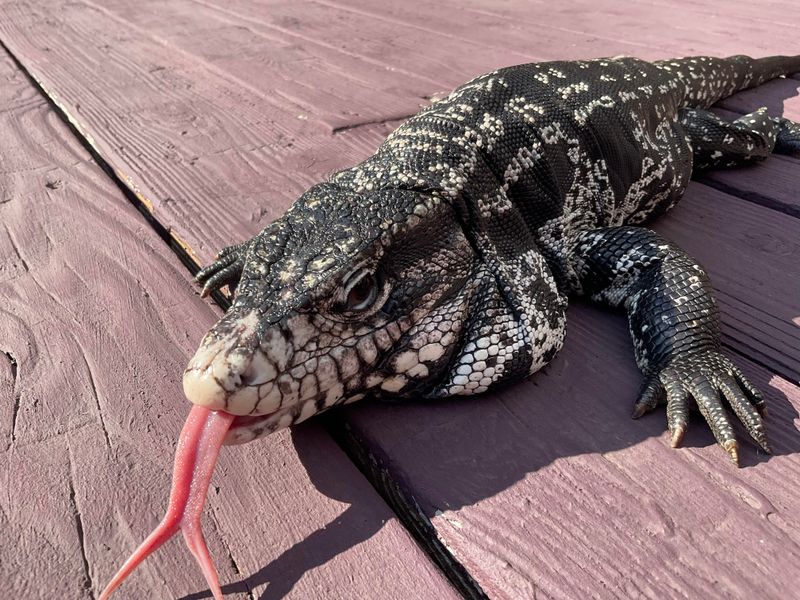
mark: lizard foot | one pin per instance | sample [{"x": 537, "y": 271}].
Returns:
[
  {"x": 226, "y": 269},
  {"x": 703, "y": 376}
]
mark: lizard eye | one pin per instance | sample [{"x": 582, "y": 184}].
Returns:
[{"x": 360, "y": 292}]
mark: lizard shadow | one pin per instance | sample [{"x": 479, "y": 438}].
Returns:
[
  {"x": 359, "y": 522},
  {"x": 459, "y": 452}
]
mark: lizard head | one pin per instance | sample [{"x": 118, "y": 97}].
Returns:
[{"x": 344, "y": 296}]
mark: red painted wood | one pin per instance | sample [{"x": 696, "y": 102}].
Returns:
[
  {"x": 780, "y": 96},
  {"x": 97, "y": 321},
  {"x": 773, "y": 183},
  {"x": 547, "y": 487},
  {"x": 237, "y": 182},
  {"x": 248, "y": 127}
]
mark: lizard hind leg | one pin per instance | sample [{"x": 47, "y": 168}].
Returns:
[
  {"x": 717, "y": 143},
  {"x": 788, "y": 140}
]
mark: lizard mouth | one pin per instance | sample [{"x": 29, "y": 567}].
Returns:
[
  {"x": 249, "y": 420},
  {"x": 246, "y": 428},
  {"x": 240, "y": 372}
]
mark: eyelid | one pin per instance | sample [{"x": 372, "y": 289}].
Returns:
[
  {"x": 354, "y": 279},
  {"x": 382, "y": 289}
]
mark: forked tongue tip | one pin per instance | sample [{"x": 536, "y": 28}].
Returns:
[{"x": 195, "y": 458}]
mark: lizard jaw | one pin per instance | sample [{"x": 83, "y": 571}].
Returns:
[{"x": 268, "y": 379}]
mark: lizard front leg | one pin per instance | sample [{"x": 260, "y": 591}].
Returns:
[
  {"x": 226, "y": 269},
  {"x": 674, "y": 322}
]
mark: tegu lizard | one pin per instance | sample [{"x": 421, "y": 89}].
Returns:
[{"x": 442, "y": 265}]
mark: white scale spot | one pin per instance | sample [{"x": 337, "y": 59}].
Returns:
[
  {"x": 394, "y": 383},
  {"x": 431, "y": 352}
]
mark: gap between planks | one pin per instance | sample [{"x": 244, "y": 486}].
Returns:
[
  {"x": 402, "y": 502},
  {"x": 181, "y": 248}
]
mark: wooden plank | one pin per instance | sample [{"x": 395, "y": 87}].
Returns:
[
  {"x": 285, "y": 55},
  {"x": 782, "y": 13},
  {"x": 579, "y": 29},
  {"x": 187, "y": 124},
  {"x": 780, "y": 96},
  {"x": 772, "y": 183},
  {"x": 384, "y": 24},
  {"x": 95, "y": 331},
  {"x": 222, "y": 198},
  {"x": 649, "y": 30},
  {"x": 549, "y": 490},
  {"x": 232, "y": 142},
  {"x": 479, "y": 40},
  {"x": 405, "y": 49},
  {"x": 286, "y": 59}
]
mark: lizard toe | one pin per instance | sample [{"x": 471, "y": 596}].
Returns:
[
  {"x": 709, "y": 378},
  {"x": 225, "y": 270}
]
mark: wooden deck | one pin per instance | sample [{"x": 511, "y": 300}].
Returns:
[{"x": 211, "y": 116}]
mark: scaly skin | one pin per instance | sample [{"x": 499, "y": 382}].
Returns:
[{"x": 442, "y": 264}]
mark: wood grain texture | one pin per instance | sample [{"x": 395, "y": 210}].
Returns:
[
  {"x": 547, "y": 489},
  {"x": 209, "y": 197},
  {"x": 655, "y": 29},
  {"x": 221, "y": 129},
  {"x": 97, "y": 320},
  {"x": 773, "y": 183}
]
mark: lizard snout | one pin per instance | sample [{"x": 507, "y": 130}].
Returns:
[
  {"x": 235, "y": 371},
  {"x": 223, "y": 364}
]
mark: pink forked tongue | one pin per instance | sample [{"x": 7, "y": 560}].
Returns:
[{"x": 195, "y": 458}]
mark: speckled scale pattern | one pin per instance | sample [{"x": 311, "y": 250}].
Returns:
[
  {"x": 477, "y": 219},
  {"x": 667, "y": 295},
  {"x": 717, "y": 143}
]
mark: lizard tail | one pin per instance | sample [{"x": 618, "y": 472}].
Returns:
[{"x": 709, "y": 79}]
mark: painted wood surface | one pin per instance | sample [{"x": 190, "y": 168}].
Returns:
[
  {"x": 219, "y": 114},
  {"x": 200, "y": 114},
  {"x": 97, "y": 320}
]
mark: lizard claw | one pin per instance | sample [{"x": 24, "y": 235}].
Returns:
[
  {"x": 650, "y": 397},
  {"x": 225, "y": 270},
  {"x": 677, "y": 435},
  {"x": 706, "y": 377}
]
